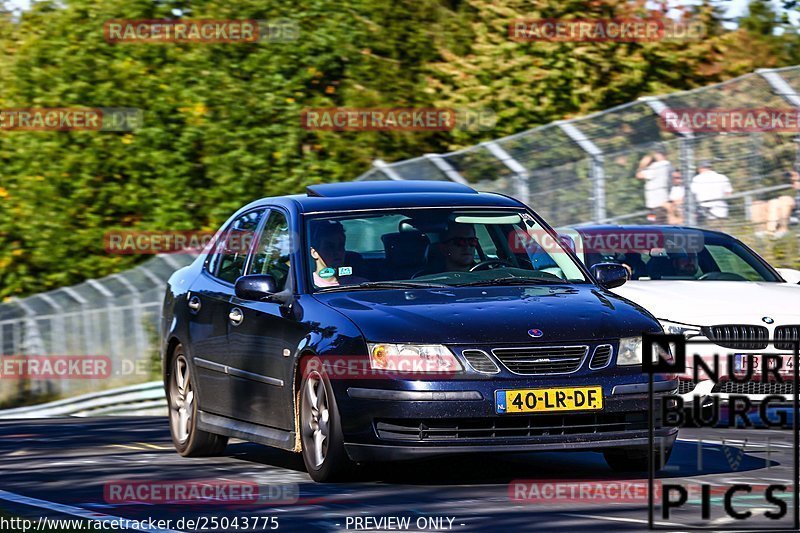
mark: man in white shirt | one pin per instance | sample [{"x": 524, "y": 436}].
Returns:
[
  {"x": 675, "y": 203},
  {"x": 655, "y": 171},
  {"x": 710, "y": 189}
]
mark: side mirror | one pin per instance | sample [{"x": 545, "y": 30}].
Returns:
[
  {"x": 256, "y": 287},
  {"x": 790, "y": 275},
  {"x": 610, "y": 275}
]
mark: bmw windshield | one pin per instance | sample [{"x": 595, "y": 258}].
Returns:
[
  {"x": 667, "y": 254},
  {"x": 435, "y": 248}
]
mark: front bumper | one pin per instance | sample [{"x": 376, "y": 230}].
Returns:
[{"x": 392, "y": 420}]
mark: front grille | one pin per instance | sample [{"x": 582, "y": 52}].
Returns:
[
  {"x": 451, "y": 429},
  {"x": 754, "y": 387},
  {"x": 480, "y": 361},
  {"x": 787, "y": 337},
  {"x": 542, "y": 359},
  {"x": 685, "y": 387},
  {"x": 738, "y": 336},
  {"x": 601, "y": 357}
]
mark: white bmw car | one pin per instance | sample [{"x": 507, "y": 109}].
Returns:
[{"x": 714, "y": 290}]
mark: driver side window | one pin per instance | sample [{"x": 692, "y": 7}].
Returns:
[
  {"x": 230, "y": 255},
  {"x": 272, "y": 252}
]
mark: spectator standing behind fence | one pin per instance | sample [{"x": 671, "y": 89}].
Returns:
[
  {"x": 675, "y": 204},
  {"x": 710, "y": 190},
  {"x": 772, "y": 217},
  {"x": 654, "y": 169}
]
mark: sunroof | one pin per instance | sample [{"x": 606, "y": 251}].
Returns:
[{"x": 365, "y": 188}]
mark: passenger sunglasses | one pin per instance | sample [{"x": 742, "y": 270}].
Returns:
[{"x": 464, "y": 241}]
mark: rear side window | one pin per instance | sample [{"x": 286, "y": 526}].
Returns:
[{"x": 227, "y": 262}]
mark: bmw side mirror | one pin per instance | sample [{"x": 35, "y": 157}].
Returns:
[
  {"x": 256, "y": 287},
  {"x": 610, "y": 275}
]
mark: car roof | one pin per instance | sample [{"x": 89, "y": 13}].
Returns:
[{"x": 361, "y": 195}]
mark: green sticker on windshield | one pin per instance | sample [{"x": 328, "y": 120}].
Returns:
[{"x": 327, "y": 272}]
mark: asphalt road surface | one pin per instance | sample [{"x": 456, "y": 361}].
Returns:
[{"x": 60, "y": 468}]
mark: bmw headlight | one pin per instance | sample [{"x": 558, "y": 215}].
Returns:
[
  {"x": 675, "y": 328},
  {"x": 412, "y": 358}
]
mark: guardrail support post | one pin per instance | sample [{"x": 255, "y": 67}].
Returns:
[
  {"x": 521, "y": 174},
  {"x": 687, "y": 161},
  {"x": 597, "y": 169},
  {"x": 387, "y": 170},
  {"x": 447, "y": 169}
]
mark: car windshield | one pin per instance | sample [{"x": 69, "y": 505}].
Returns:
[
  {"x": 655, "y": 254},
  {"x": 435, "y": 248}
]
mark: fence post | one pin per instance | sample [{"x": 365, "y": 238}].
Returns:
[
  {"x": 521, "y": 174},
  {"x": 388, "y": 171},
  {"x": 447, "y": 169},
  {"x": 140, "y": 340},
  {"x": 782, "y": 89},
  {"x": 687, "y": 172},
  {"x": 597, "y": 169},
  {"x": 686, "y": 158}
]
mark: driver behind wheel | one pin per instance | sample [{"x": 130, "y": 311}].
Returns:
[
  {"x": 684, "y": 263},
  {"x": 457, "y": 246}
]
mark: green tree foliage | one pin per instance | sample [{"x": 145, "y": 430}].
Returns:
[{"x": 222, "y": 121}]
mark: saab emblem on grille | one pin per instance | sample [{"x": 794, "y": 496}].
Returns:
[
  {"x": 768, "y": 320},
  {"x": 535, "y": 333}
]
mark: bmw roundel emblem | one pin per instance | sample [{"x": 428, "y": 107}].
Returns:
[
  {"x": 535, "y": 333},
  {"x": 768, "y": 320}
]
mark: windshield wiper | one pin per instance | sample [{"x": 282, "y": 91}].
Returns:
[
  {"x": 386, "y": 285},
  {"x": 513, "y": 280}
]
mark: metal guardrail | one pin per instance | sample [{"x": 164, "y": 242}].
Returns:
[
  {"x": 115, "y": 317},
  {"x": 146, "y": 398}
]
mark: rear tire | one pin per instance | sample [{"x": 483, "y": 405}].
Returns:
[
  {"x": 321, "y": 431},
  {"x": 182, "y": 401},
  {"x": 635, "y": 459}
]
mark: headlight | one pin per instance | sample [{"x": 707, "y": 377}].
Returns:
[
  {"x": 674, "y": 328},
  {"x": 630, "y": 351},
  {"x": 412, "y": 358}
]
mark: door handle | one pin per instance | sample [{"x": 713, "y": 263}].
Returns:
[
  {"x": 236, "y": 316},
  {"x": 194, "y": 303}
]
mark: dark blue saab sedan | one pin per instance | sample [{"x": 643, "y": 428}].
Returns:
[{"x": 392, "y": 320}]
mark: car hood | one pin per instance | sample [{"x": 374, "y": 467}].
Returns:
[
  {"x": 705, "y": 303},
  {"x": 479, "y": 315}
]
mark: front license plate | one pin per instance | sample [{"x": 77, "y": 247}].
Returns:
[
  {"x": 549, "y": 400},
  {"x": 786, "y": 362}
]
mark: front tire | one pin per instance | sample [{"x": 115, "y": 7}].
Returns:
[
  {"x": 321, "y": 431},
  {"x": 635, "y": 459},
  {"x": 182, "y": 400}
]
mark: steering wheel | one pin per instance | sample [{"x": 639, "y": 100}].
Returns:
[
  {"x": 722, "y": 276},
  {"x": 487, "y": 264}
]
